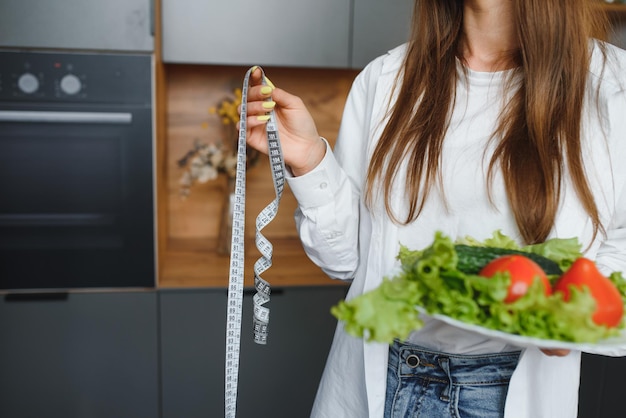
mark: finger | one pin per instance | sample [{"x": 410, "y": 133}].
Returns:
[
  {"x": 258, "y": 102},
  {"x": 286, "y": 100},
  {"x": 253, "y": 122},
  {"x": 256, "y": 76},
  {"x": 555, "y": 352},
  {"x": 259, "y": 86},
  {"x": 260, "y": 108},
  {"x": 259, "y": 92}
]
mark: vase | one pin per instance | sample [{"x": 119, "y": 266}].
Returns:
[{"x": 226, "y": 222}]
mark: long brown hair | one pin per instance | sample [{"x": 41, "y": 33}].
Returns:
[{"x": 539, "y": 129}]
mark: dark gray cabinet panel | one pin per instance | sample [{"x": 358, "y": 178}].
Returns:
[
  {"x": 244, "y": 32},
  {"x": 192, "y": 351},
  {"x": 96, "y": 355},
  {"x": 88, "y": 356},
  {"x": 378, "y": 27},
  {"x": 323, "y": 33},
  {"x": 602, "y": 387},
  {"x": 118, "y": 25},
  {"x": 276, "y": 380}
]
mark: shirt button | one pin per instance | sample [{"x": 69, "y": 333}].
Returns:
[{"x": 323, "y": 185}]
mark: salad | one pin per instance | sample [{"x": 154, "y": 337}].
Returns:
[{"x": 548, "y": 291}]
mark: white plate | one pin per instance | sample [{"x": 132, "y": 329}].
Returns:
[{"x": 611, "y": 344}]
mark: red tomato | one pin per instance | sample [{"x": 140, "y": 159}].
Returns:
[
  {"x": 523, "y": 272},
  {"x": 584, "y": 273}
]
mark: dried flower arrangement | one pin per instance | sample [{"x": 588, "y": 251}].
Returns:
[{"x": 205, "y": 161}]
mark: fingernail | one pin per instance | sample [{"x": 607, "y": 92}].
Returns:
[
  {"x": 269, "y": 105},
  {"x": 269, "y": 82},
  {"x": 263, "y": 118},
  {"x": 266, "y": 90}
]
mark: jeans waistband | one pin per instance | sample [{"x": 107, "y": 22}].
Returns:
[{"x": 414, "y": 361}]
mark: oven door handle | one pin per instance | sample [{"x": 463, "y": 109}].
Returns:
[
  {"x": 57, "y": 219},
  {"x": 31, "y": 116}
]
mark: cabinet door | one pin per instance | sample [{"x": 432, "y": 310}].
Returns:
[
  {"x": 601, "y": 387},
  {"x": 275, "y": 380},
  {"x": 90, "y": 355},
  {"x": 245, "y": 32},
  {"x": 117, "y": 25},
  {"x": 618, "y": 34},
  {"x": 193, "y": 327},
  {"x": 378, "y": 27}
]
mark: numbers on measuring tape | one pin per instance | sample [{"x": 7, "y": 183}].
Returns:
[{"x": 237, "y": 259}]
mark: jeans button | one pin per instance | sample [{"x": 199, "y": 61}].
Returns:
[{"x": 413, "y": 361}]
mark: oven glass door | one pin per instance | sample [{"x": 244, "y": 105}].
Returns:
[{"x": 76, "y": 199}]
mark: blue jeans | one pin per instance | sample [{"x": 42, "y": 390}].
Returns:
[{"x": 430, "y": 384}]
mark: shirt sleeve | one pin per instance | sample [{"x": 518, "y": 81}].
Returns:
[
  {"x": 611, "y": 254},
  {"x": 327, "y": 217},
  {"x": 328, "y": 197}
]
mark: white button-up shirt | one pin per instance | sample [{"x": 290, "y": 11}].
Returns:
[{"x": 349, "y": 241}]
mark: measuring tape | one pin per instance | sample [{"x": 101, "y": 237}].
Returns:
[{"x": 237, "y": 258}]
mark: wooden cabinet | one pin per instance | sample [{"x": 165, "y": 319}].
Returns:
[
  {"x": 324, "y": 33},
  {"x": 113, "y": 25},
  {"x": 79, "y": 355}
]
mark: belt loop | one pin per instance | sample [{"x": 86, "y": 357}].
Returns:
[{"x": 444, "y": 362}]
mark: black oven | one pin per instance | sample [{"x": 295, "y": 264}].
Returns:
[{"x": 76, "y": 171}]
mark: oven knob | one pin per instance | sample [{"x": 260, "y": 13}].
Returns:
[
  {"x": 70, "y": 84},
  {"x": 28, "y": 83}
]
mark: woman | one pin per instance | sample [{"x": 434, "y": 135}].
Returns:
[{"x": 498, "y": 114}]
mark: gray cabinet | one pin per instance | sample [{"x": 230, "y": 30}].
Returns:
[
  {"x": 245, "y": 32},
  {"x": 378, "y": 27},
  {"x": 601, "y": 387},
  {"x": 279, "y": 379},
  {"x": 300, "y": 33},
  {"x": 83, "y": 356},
  {"x": 117, "y": 25},
  {"x": 160, "y": 354}
]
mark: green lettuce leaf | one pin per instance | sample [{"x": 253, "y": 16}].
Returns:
[
  {"x": 497, "y": 240},
  {"x": 563, "y": 251},
  {"x": 429, "y": 279}
]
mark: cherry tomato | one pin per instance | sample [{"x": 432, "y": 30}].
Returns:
[
  {"x": 584, "y": 273},
  {"x": 523, "y": 272}
]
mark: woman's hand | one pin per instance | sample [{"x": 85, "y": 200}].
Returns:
[
  {"x": 302, "y": 147},
  {"x": 555, "y": 352}
]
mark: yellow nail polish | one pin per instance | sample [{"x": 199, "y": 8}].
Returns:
[
  {"x": 266, "y": 90},
  {"x": 269, "y": 105},
  {"x": 263, "y": 118},
  {"x": 269, "y": 82}
]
